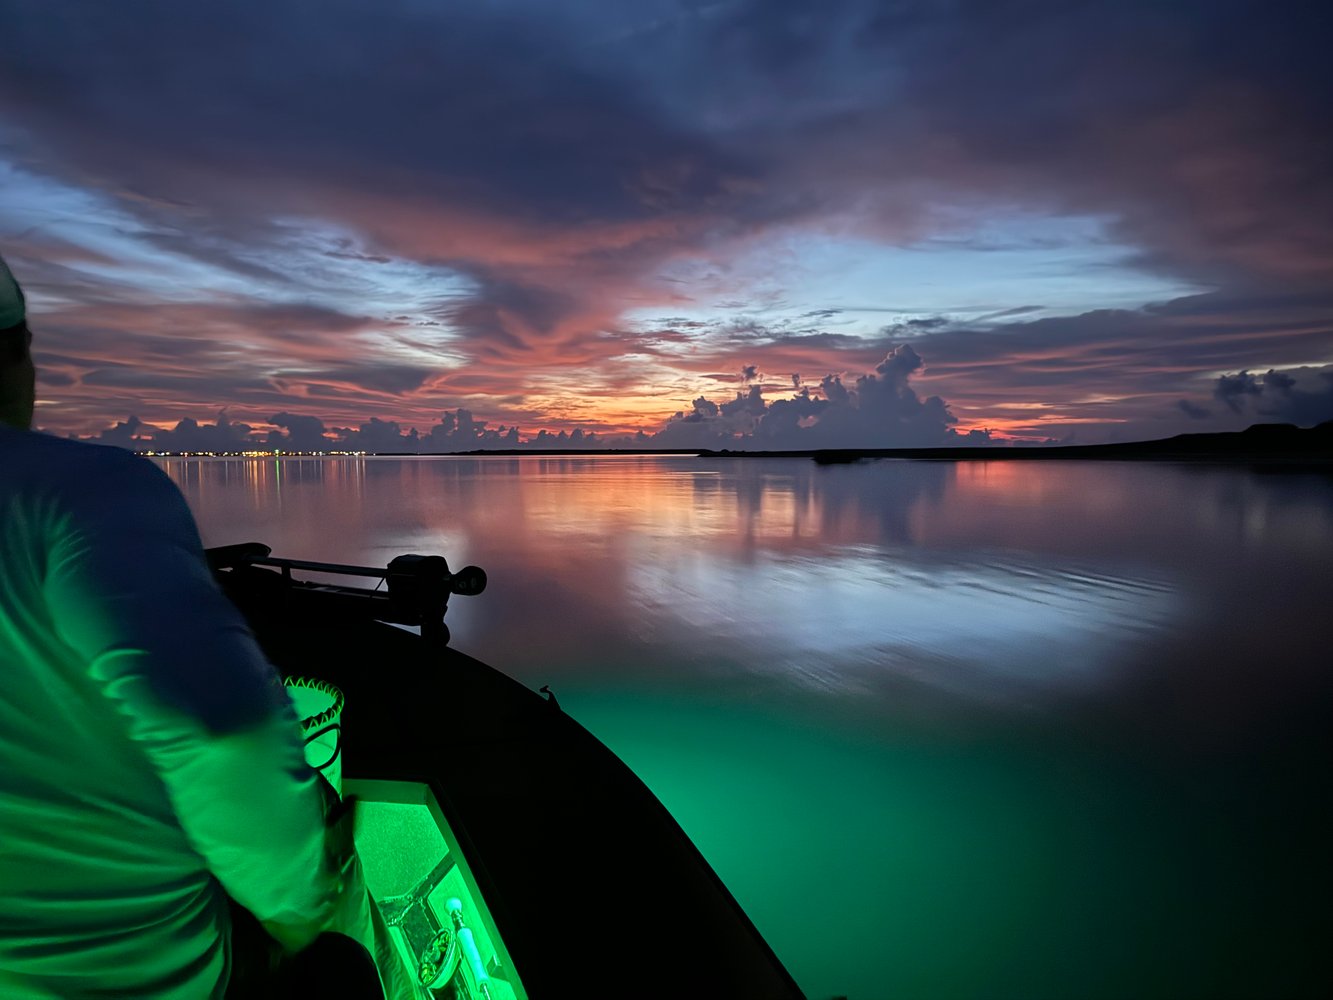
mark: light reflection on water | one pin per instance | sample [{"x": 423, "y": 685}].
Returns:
[
  {"x": 971, "y": 627},
  {"x": 945, "y": 730}
]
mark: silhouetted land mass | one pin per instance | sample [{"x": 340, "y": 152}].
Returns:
[
  {"x": 1262, "y": 444},
  {"x": 1279, "y": 444}
]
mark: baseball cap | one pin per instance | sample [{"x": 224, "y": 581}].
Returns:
[{"x": 11, "y": 298}]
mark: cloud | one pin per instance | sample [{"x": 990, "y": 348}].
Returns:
[
  {"x": 1195, "y": 127},
  {"x": 386, "y": 379},
  {"x": 746, "y": 404},
  {"x": 879, "y": 410},
  {"x": 187, "y": 435},
  {"x": 1301, "y": 396},
  {"x": 460, "y": 431},
  {"x": 124, "y": 434},
  {"x": 377, "y": 435},
  {"x": 704, "y": 409},
  {"x": 302, "y": 433},
  {"x": 482, "y": 139},
  {"x": 1130, "y": 366},
  {"x": 534, "y": 176},
  {"x": 1231, "y": 389}
]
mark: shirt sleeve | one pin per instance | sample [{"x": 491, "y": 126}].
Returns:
[{"x": 130, "y": 591}]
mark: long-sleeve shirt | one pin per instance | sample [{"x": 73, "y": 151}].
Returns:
[{"x": 149, "y": 757}]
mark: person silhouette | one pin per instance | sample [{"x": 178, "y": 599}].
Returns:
[{"x": 154, "y": 793}]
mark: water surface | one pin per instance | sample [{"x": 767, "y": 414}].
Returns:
[{"x": 945, "y": 730}]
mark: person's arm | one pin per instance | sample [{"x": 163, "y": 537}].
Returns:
[{"x": 129, "y": 589}]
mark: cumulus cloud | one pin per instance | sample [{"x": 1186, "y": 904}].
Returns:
[
  {"x": 377, "y": 435},
  {"x": 1232, "y": 389},
  {"x": 190, "y": 435},
  {"x": 299, "y": 433},
  {"x": 703, "y": 409},
  {"x": 879, "y": 410},
  {"x": 456, "y": 431},
  {"x": 460, "y": 431},
  {"x": 1302, "y": 396},
  {"x": 125, "y": 434},
  {"x": 749, "y": 403}
]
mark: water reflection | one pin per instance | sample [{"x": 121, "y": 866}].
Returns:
[
  {"x": 994, "y": 581},
  {"x": 1006, "y": 729}
]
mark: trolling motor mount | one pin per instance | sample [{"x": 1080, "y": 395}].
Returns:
[
  {"x": 417, "y": 588},
  {"x": 420, "y": 586}
]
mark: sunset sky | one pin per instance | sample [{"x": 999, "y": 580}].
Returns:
[{"x": 844, "y": 222}]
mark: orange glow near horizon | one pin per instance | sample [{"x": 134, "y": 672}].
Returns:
[{"x": 606, "y": 416}]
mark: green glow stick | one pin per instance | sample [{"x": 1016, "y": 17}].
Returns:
[{"x": 468, "y": 946}]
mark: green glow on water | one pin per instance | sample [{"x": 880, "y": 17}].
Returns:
[
  {"x": 1162, "y": 829},
  {"x": 998, "y": 865}
]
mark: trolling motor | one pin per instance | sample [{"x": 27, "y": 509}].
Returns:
[{"x": 416, "y": 588}]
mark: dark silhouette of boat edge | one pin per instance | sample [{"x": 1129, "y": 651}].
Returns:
[{"x": 594, "y": 887}]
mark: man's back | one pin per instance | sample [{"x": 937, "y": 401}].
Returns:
[{"x": 145, "y": 745}]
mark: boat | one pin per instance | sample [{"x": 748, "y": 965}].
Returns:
[{"x": 512, "y": 854}]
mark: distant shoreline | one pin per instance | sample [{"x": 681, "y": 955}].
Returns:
[
  {"x": 1262, "y": 444},
  {"x": 1267, "y": 444}
]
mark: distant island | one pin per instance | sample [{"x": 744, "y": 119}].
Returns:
[{"x": 1262, "y": 444}]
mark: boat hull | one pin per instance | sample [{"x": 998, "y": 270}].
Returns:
[{"x": 592, "y": 885}]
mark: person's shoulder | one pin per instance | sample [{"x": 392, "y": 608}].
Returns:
[
  {"x": 41, "y": 445},
  {"x": 79, "y": 465}
]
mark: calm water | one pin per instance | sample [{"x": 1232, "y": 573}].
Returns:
[{"x": 973, "y": 730}]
